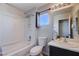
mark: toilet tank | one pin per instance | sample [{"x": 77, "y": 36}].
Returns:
[{"x": 42, "y": 41}]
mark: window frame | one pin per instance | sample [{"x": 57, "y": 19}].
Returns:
[
  {"x": 43, "y": 13},
  {"x": 38, "y": 19}
]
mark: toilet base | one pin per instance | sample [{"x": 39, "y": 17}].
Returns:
[{"x": 36, "y": 51}]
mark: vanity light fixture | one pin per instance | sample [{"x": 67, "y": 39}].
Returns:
[{"x": 58, "y": 6}]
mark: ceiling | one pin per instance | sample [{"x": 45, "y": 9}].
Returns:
[{"x": 26, "y": 6}]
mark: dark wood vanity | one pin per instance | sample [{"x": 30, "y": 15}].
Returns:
[{"x": 56, "y": 51}]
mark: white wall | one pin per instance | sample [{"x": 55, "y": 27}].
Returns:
[
  {"x": 26, "y": 28},
  {"x": 31, "y": 28}
]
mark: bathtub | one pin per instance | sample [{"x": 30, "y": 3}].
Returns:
[{"x": 17, "y": 49}]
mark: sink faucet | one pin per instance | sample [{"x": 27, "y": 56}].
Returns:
[{"x": 65, "y": 39}]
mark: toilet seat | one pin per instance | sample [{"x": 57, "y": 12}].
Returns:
[{"x": 36, "y": 50}]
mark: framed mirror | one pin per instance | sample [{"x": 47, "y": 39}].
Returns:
[{"x": 65, "y": 28}]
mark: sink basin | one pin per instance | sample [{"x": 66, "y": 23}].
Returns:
[{"x": 71, "y": 43}]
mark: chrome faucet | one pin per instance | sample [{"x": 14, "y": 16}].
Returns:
[{"x": 65, "y": 39}]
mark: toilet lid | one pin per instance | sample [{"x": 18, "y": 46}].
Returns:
[{"x": 36, "y": 50}]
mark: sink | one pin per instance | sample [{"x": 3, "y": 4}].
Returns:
[{"x": 71, "y": 43}]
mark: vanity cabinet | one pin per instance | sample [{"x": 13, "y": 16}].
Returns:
[{"x": 56, "y": 51}]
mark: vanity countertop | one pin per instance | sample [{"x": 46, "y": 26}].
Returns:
[{"x": 65, "y": 45}]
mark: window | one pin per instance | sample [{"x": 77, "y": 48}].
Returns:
[{"x": 43, "y": 19}]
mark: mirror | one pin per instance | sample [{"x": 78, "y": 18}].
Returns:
[{"x": 65, "y": 28}]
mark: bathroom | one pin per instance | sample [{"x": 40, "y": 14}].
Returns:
[{"x": 21, "y": 28}]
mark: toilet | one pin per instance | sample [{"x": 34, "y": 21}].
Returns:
[{"x": 38, "y": 49}]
